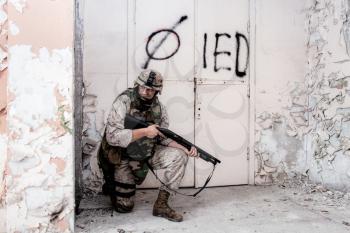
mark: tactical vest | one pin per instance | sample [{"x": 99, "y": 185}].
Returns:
[
  {"x": 144, "y": 147},
  {"x": 138, "y": 150}
]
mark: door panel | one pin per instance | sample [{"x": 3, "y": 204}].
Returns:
[
  {"x": 222, "y": 130},
  {"x": 221, "y": 36}
]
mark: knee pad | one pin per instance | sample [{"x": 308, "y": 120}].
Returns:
[{"x": 123, "y": 200}]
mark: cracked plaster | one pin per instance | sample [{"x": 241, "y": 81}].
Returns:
[
  {"x": 328, "y": 91},
  {"x": 19, "y": 5},
  {"x": 3, "y": 106},
  {"x": 91, "y": 140},
  {"x": 40, "y": 139},
  {"x": 316, "y": 112}
]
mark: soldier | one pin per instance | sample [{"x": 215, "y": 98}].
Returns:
[{"x": 124, "y": 152}]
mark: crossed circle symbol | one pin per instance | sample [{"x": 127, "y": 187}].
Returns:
[{"x": 151, "y": 54}]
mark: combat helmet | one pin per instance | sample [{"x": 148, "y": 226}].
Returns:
[{"x": 150, "y": 78}]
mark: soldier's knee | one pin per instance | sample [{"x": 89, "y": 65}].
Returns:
[{"x": 180, "y": 156}]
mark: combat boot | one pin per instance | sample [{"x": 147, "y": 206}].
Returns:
[
  {"x": 122, "y": 204},
  {"x": 161, "y": 208}
]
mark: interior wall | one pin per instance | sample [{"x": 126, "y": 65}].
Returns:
[
  {"x": 302, "y": 92},
  {"x": 280, "y": 97},
  {"x": 327, "y": 83},
  {"x": 39, "y": 173},
  {"x": 105, "y": 76},
  {"x": 3, "y": 108}
]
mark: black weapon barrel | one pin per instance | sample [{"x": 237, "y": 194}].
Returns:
[{"x": 202, "y": 154}]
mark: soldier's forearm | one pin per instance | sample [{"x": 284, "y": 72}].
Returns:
[
  {"x": 118, "y": 137},
  {"x": 138, "y": 133},
  {"x": 177, "y": 145}
]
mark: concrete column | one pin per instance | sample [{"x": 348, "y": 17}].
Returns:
[{"x": 39, "y": 166}]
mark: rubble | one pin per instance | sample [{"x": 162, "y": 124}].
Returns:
[
  {"x": 304, "y": 187},
  {"x": 287, "y": 207}
]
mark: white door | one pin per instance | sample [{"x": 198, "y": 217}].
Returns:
[
  {"x": 201, "y": 48},
  {"x": 222, "y": 130},
  {"x": 222, "y": 89}
]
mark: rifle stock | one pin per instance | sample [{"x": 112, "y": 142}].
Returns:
[{"x": 134, "y": 123}]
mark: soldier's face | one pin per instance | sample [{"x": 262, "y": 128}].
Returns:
[{"x": 146, "y": 92}]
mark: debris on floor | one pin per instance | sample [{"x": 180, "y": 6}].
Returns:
[{"x": 277, "y": 208}]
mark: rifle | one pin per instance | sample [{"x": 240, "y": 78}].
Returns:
[{"x": 134, "y": 123}]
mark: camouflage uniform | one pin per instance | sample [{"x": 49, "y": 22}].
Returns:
[{"x": 123, "y": 162}]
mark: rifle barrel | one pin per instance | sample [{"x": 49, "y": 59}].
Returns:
[
  {"x": 134, "y": 123},
  {"x": 202, "y": 154}
]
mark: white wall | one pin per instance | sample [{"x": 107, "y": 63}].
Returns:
[
  {"x": 328, "y": 32},
  {"x": 280, "y": 94},
  {"x": 302, "y": 93},
  {"x": 105, "y": 74}
]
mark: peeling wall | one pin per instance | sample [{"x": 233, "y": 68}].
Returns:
[
  {"x": 327, "y": 82},
  {"x": 302, "y": 92},
  {"x": 280, "y": 96},
  {"x": 3, "y": 108},
  {"x": 39, "y": 167}
]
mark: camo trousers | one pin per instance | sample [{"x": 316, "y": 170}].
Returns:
[{"x": 172, "y": 161}]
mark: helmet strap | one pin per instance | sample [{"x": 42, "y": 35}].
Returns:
[{"x": 142, "y": 103}]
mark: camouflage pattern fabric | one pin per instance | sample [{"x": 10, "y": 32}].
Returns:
[
  {"x": 150, "y": 78},
  {"x": 122, "y": 161},
  {"x": 172, "y": 160}
]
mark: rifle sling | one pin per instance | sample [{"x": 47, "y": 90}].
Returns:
[{"x": 189, "y": 195}]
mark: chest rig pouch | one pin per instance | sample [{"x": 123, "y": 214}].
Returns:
[{"x": 142, "y": 148}]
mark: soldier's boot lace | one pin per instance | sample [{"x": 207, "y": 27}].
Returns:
[{"x": 162, "y": 209}]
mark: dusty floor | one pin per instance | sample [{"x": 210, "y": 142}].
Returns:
[{"x": 238, "y": 209}]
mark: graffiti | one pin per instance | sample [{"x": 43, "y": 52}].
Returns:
[
  {"x": 205, "y": 51},
  {"x": 239, "y": 37},
  {"x": 150, "y": 54},
  {"x": 241, "y": 40},
  {"x": 216, "y": 52}
]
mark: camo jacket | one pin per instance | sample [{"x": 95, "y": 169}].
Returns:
[{"x": 116, "y": 134}]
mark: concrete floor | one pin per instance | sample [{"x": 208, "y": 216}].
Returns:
[{"x": 235, "y": 209}]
